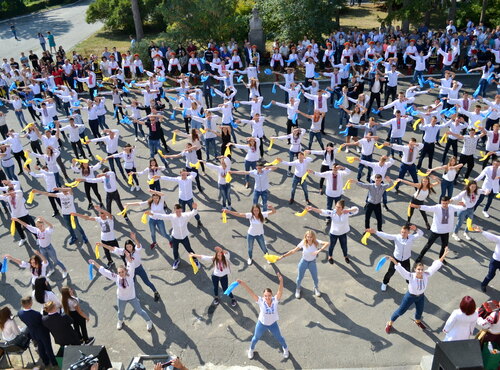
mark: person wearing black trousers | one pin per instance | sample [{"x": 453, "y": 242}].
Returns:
[
  {"x": 375, "y": 196},
  {"x": 71, "y": 307},
  {"x": 14, "y": 197}
]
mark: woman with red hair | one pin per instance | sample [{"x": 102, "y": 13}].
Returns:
[{"x": 462, "y": 321}]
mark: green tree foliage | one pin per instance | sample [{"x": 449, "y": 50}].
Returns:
[
  {"x": 291, "y": 19},
  {"x": 472, "y": 10},
  {"x": 10, "y": 8}
]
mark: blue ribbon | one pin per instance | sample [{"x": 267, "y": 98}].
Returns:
[
  {"x": 125, "y": 90},
  {"x": 76, "y": 103},
  {"x": 381, "y": 263},
  {"x": 490, "y": 79},
  {"x": 204, "y": 78},
  {"x": 95, "y": 93},
  {"x": 346, "y": 67},
  {"x": 115, "y": 113},
  {"x": 478, "y": 90},
  {"x": 91, "y": 272},
  {"x": 344, "y": 133},
  {"x": 203, "y": 60},
  {"x": 1, "y": 103},
  {"x": 300, "y": 94},
  {"x": 374, "y": 111},
  {"x": 267, "y": 106},
  {"x": 5, "y": 265},
  {"x": 234, "y": 124},
  {"x": 290, "y": 60},
  {"x": 273, "y": 90},
  {"x": 162, "y": 79},
  {"x": 466, "y": 69},
  {"x": 316, "y": 75},
  {"x": 231, "y": 287},
  {"x": 212, "y": 92},
  {"x": 126, "y": 120},
  {"x": 172, "y": 116},
  {"x": 239, "y": 79},
  {"x": 379, "y": 60},
  {"x": 431, "y": 84},
  {"x": 404, "y": 58},
  {"x": 267, "y": 71},
  {"x": 360, "y": 63},
  {"x": 188, "y": 74},
  {"x": 173, "y": 98},
  {"x": 236, "y": 105},
  {"x": 12, "y": 86},
  {"x": 74, "y": 84},
  {"x": 421, "y": 82},
  {"x": 294, "y": 119},
  {"x": 184, "y": 112}
]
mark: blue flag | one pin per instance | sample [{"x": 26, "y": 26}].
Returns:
[{"x": 91, "y": 272}]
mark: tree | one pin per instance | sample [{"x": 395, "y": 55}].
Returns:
[
  {"x": 452, "y": 13},
  {"x": 483, "y": 11},
  {"x": 136, "y": 13},
  {"x": 291, "y": 19}
]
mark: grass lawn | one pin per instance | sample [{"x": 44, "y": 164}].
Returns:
[
  {"x": 364, "y": 17},
  {"x": 95, "y": 44}
]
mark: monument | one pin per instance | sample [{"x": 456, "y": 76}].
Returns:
[{"x": 256, "y": 33}]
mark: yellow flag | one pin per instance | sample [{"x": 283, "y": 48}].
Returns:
[
  {"x": 422, "y": 174},
  {"x": 273, "y": 163},
  {"x": 415, "y": 124},
  {"x": 394, "y": 183},
  {"x": 444, "y": 139},
  {"x": 122, "y": 213},
  {"x": 144, "y": 218},
  {"x": 469, "y": 224},
  {"x": 271, "y": 257},
  {"x": 228, "y": 178},
  {"x": 364, "y": 239},
  {"x": 301, "y": 214},
  {"x": 97, "y": 252},
  {"x": 12, "y": 228},
  {"x": 202, "y": 130},
  {"x": 224, "y": 218},
  {"x": 174, "y": 138},
  {"x": 151, "y": 182},
  {"x": 379, "y": 146},
  {"x": 227, "y": 152},
  {"x": 271, "y": 142},
  {"x": 347, "y": 186},
  {"x": 130, "y": 179},
  {"x": 485, "y": 156},
  {"x": 73, "y": 222},
  {"x": 31, "y": 197},
  {"x": 350, "y": 159},
  {"x": 193, "y": 264},
  {"x": 304, "y": 177},
  {"x": 197, "y": 165}
]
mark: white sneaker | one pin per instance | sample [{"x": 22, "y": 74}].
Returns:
[
  {"x": 250, "y": 353},
  {"x": 466, "y": 236},
  {"x": 50, "y": 273},
  {"x": 317, "y": 293},
  {"x": 149, "y": 325},
  {"x": 346, "y": 149},
  {"x": 297, "y": 293},
  {"x": 119, "y": 325},
  {"x": 285, "y": 352},
  {"x": 358, "y": 149},
  {"x": 132, "y": 188},
  {"x": 138, "y": 188},
  {"x": 249, "y": 261},
  {"x": 455, "y": 237},
  {"x": 383, "y": 287},
  {"x": 136, "y": 139},
  {"x": 65, "y": 274},
  {"x": 485, "y": 214},
  {"x": 22, "y": 241}
]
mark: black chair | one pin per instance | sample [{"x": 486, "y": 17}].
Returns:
[{"x": 17, "y": 346}]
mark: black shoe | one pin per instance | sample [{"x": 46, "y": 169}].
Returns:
[
  {"x": 385, "y": 207},
  {"x": 330, "y": 261},
  {"x": 157, "y": 297},
  {"x": 483, "y": 288},
  {"x": 90, "y": 206},
  {"x": 347, "y": 260},
  {"x": 291, "y": 201},
  {"x": 55, "y": 214},
  {"x": 215, "y": 301},
  {"x": 90, "y": 341},
  {"x": 199, "y": 225}
]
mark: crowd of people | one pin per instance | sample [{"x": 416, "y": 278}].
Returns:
[{"x": 70, "y": 98}]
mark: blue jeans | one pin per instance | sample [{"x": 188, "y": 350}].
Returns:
[
  {"x": 296, "y": 180},
  {"x": 307, "y": 265},
  {"x": 492, "y": 271},
  {"x": 160, "y": 225},
  {"x": 210, "y": 143},
  {"x": 462, "y": 216},
  {"x": 189, "y": 203},
  {"x": 318, "y": 137},
  {"x": 51, "y": 256},
  {"x": 154, "y": 145},
  {"x": 260, "y": 329},
  {"x": 396, "y": 140},
  {"x": 484, "y": 85},
  {"x": 446, "y": 188},
  {"x": 137, "y": 308},
  {"x": 112, "y": 162},
  {"x": 343, "y": 117},
  {"x": 330, "y": 201},
  {"x": 260, "y": 241},
  {"x": 102, "y": 121},
  {"x": 361, "y": 167},
  {"x": 263, "y": 195},
  {"x": 225, "y": 194},
  {"x": 408, "y": 300},
  {"x": 139, "y": 271},
  {"x": 417, "y": 75},
  {"x": 411, "y": 169},
  {"x": 249, "y": 166},
  {"x": 333, "y": 241},
  {"x": 10, "y": 172},
  {"x": 490, "y": 196},
  {"x": 67, "y": 220},
  {"x": 20, "y": 118}
]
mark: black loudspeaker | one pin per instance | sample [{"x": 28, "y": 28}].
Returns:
[
  {"x": 73, "y": 354},
  {"x": 458, "y": 355}
]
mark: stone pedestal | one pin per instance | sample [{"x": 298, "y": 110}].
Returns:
[{"x": 256, "y": 33}]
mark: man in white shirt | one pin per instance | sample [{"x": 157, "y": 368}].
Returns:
[
  {"x": 180, "y": 233},
  {"x": 111, "y": 141},
  {"x": 300, "y": 170},
  {"x": 443, "y": 221},
  {"x": 431, "y": 132},
  {"x": 410, "y": 153}
]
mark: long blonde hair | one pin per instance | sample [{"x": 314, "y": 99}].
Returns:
[{"x": 314, "y": 239}]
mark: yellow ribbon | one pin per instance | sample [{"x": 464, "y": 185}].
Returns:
[
  {"x": 444, "y": 139},
  {"x": 73, "y": 184},
  {"x": 96, "y": 251},
  {"x": 160, "y": 152},
  {"x": 106, "y": 79},
  {"x": 409, "y": 210},
  {"x": 498, "y": 196},
  {"x": 28, "y": 126},
  {"x": 304, "y": 177},
  {"x": 82, "y": 160},
  {"x": 394, "y": 183},
  {"x": 422, "y": 174},
  {"x": 466, "y": 181},
  {"x": 26, "y": 154},
  {"x": 144, "y": 218},
  {"x": 485, "y": 157},
  {"x": 99, "y": 158},
  {"x": 31, "y": 197},
  {"x": 151, "y": 182},
  {"x": 193, "y": 264},
  {"x": 224, "y": 218},
  {"x": 469, "y": 224},
  {"x": 73, "y": 222},
  {"x": 379, "y": 146},
  {"x": 272, "y": 258},
  {"x": 122, "y": 213},
  {"x": 477, "y": 123},
  {"x": 174, "y": 138},
  {"x": 27, "y": 162},
  {"x": 339, "y": 149},
  {"x": 350, "y": 159},
  {"x": 301, "y": 214},
  {"x": 271, "y": 142},
  {"x": 364, "y": 239},
  {"x": 202, "y": 130},
  {"x": 130, "y": 179},
  {"x": 197, "y": 165},
  {"x": 347, "y": 186},
  {"x": 415, "y": 124},
  {"x": 228, "y": 177},
  {"x": 13, "y": 228},
  {"x": 273, "y": 163},
  {"x": 227, "y": 152}
]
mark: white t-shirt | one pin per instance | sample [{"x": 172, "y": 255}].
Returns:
[
  {"x": 44, "y": 237},
  {"x": 67, "y": 203},
  {"x": 34, "y": 274},
  {"x": 256, "y": 227},
  {"x": 268, "y": 315},
  {"x": 107, "y": 228},
  {"x": 219, "y": 268},
  {"x": 308, "y": 250}
]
